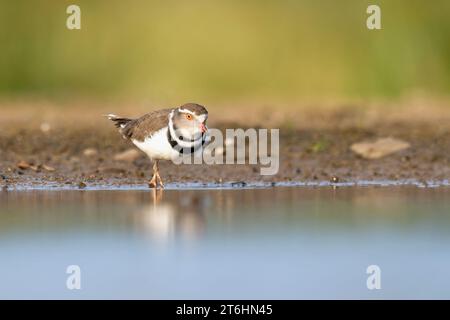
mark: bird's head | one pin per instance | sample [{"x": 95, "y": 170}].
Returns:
[{"x": 189, "y": 120}]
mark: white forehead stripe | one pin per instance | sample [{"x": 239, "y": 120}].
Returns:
[
  {"x": 186, "y": 111},
  {"x": 200, "y": 118}
]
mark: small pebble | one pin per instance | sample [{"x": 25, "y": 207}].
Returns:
[
  {"x": 334, "y": 179},
  {"x": 238, "y": 184},
  {"x": 128, "y": 155},
  {"x": 47, "y": 168},
  {"x": 89, "y": 152},
  {"x": 45, "y": 127},
  {"x": 23, "y": 165}
]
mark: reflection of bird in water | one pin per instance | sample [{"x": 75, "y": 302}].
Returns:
[{"x": 168, "y": 220}]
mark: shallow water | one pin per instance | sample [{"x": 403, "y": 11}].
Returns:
[{"x": 283, "y": 242}]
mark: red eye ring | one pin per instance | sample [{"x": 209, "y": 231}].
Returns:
[{"x": 189, "y": 116}]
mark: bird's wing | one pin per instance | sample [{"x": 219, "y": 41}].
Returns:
[{"x": 146, "y": 125}]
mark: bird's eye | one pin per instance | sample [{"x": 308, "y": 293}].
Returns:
[{"x": 189, "y": 116}]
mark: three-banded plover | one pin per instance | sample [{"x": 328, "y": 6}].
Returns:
[{"x": 165, "y": 134}]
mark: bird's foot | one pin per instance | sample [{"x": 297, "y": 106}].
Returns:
[
  {"x": 160, "y": 180},
  {"x": 153, "y": 183}
]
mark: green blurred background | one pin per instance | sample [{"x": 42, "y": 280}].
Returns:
[{"x": 225, "y": 50}]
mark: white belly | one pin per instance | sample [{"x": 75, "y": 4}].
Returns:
[{"x": 157, "y": 147}]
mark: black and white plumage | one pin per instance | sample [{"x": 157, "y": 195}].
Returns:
[{"x": 165, "y": 134}]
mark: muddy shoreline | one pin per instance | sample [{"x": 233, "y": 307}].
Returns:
[{"x": 83, "y": 154}]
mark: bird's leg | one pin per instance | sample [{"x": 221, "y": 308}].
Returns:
[
  {"x": 153, "y": 182},
  {"x": 158, "y": 176}
]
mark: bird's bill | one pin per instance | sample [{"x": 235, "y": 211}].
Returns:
[{"x": 203, "y": 128}]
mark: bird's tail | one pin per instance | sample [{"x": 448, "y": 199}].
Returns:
[{"x": 119, "y": 122}]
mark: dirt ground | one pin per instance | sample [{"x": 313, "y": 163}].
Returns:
[{"x": 76, "y": 147}]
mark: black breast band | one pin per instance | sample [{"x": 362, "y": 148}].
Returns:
[{"x": 175, "y": 145}]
